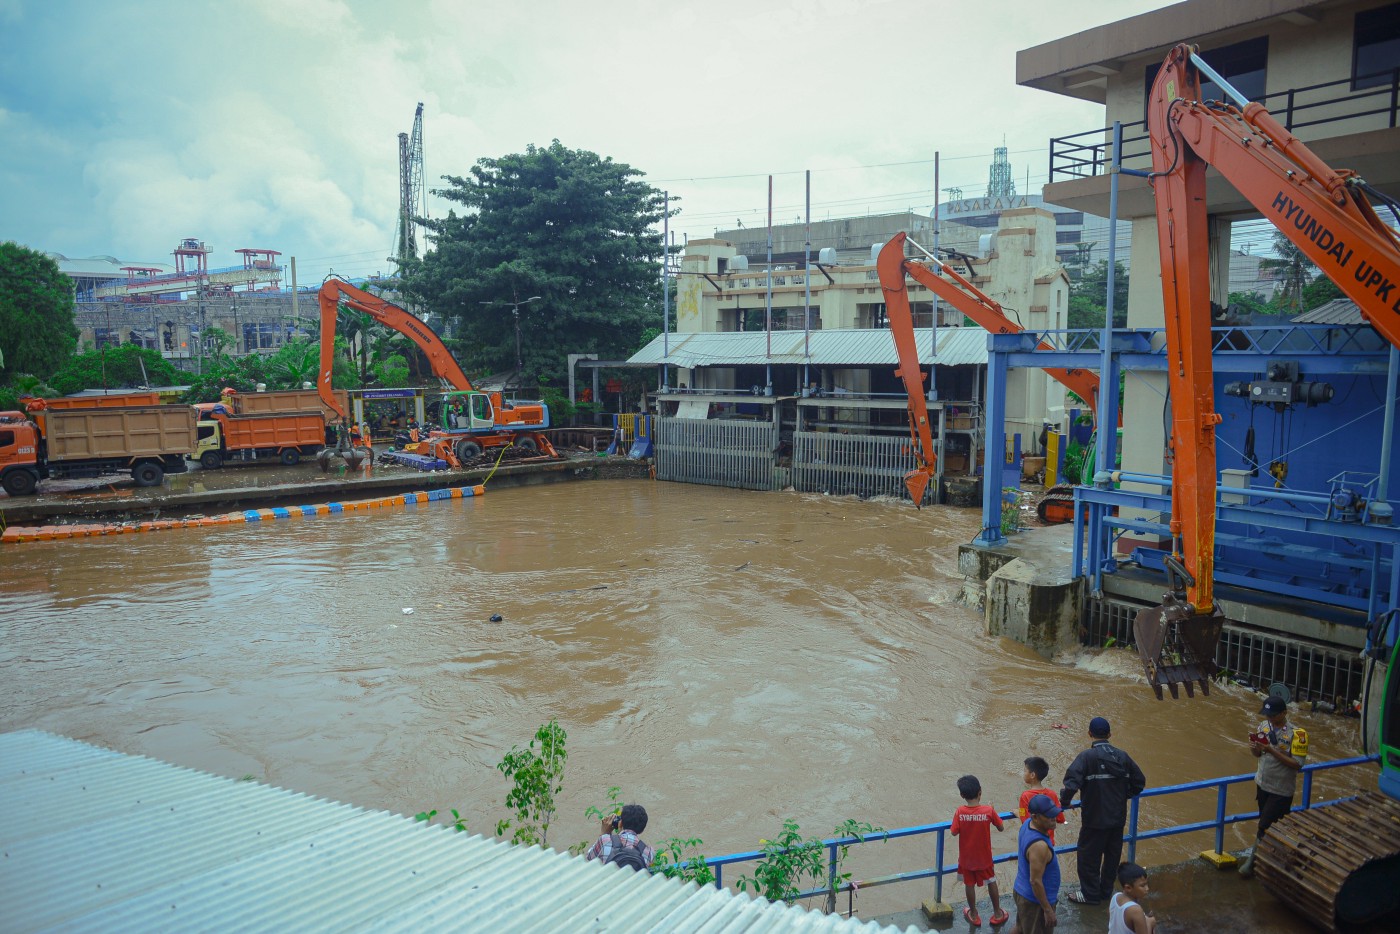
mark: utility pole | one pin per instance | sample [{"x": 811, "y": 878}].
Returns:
[{"x": 515, "y": 311}]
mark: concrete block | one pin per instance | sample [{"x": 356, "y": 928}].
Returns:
[
  {"x": 938, "y": 911},
  {"x": 1219, "y": 860},
  {"x": 1036, "y": 607}
]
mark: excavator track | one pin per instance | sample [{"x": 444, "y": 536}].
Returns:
[
  {"x": 1056, "y": 506},
  {"x": 1337, "y": 865}
]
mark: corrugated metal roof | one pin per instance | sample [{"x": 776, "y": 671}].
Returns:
[
  {"x": 843, "y": 347},
  {"x": 1337, "y": 311},
  {"x": 96, "y": 840},
  {"x": 100, "y": 266}
]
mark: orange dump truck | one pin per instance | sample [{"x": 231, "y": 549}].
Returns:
[
  {"x": 286, "y": 436},
  {"x": 147, "y": 440},
  {"x": 289, "y": 400}
]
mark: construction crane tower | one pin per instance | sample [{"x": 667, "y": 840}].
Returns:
[{"x": 413, "y": 196}]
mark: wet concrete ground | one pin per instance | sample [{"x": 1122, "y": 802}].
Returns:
[{"x": 1187, "y": 898}]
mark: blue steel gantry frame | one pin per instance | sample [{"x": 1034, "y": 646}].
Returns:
[{"x": 1335, "y": 546}]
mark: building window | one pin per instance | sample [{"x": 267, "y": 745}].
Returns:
[
  {"x": 1068, "y": 236},
  {"x": 1069, "y": 219},
  {"x": 1244, "y": 65},
  {"x": 1375, "y": 47}
]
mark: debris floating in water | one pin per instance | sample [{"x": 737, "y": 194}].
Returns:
[
  {"x": 408, "y": 611},
  {"x": 496, "y": 617}
]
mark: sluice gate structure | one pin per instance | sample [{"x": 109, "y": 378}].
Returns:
[{"x": 791, "y": 446}]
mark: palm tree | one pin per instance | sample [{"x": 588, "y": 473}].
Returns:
[
  {"x": 1295, "y": 271},
  {"x": 294, "y": 364}
]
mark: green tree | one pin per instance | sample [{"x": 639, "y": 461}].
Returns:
[
  {"x": 573, "y": 227},
  {"x": 1320, "y": 291},
  {"x": 1294, "y": 271},
  {"x": 125, "y": 366},
  {"x": 1088, "y": 297},
  {"x": 294, "y": 363},
  {"x": 37, "y": 330},
  {"x": 1251, "y": 303}
]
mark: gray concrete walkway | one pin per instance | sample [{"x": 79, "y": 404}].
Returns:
[{"x": 1189, "y": 898}]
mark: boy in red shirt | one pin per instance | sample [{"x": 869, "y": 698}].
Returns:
[
  {"x": 1037, "y": 769},
  {"x": 972, "y": 825}
]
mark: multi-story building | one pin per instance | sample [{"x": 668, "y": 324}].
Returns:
[
  {"x": 722, "y": 291},
  {"x": 1328, "y": 71}
]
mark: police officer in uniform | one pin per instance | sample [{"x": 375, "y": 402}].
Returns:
[{"x": 1281, "y": 749}]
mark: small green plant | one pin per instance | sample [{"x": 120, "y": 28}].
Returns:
[
  {"x": 612, "y": 809},
  {"x": 459, "y": 823},
  {"x": 1010, "y": 510},
  {"x": 787, "y": 861},
  {"x": 1110, "y": 642},
  {"x": 535, "y": 777},
  {"x": 673, "y": 862}
]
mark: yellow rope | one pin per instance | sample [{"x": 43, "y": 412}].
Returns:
[{"x": 498, "y": 463}]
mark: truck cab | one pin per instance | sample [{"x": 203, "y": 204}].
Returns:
[{"x": 19, "y": 454}]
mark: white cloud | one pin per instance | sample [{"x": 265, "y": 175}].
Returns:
[{"x": 274, "y": 123}]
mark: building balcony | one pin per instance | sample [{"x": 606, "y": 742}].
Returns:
[{"x": 1346, "y": 123}]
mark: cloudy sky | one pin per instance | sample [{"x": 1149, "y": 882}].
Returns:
[{"x": 274, "y": 123}]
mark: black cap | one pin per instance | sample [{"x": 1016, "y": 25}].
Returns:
[{"x": 1273, "y": 706}]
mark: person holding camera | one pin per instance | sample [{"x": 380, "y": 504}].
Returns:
[
  {"x": 621, "y": 843},
  {"x": 1281, "y": 749}
]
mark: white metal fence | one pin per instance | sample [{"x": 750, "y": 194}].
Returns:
[
  {"x": 849, "y": 464},
  {"x": 717, "y": 453}
]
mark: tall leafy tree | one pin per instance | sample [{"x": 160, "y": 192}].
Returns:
[
  {"x": 572, "y": 227},
  {"x": 37, "y": 330},
  {"x": 1088, "y": 297},
  {"x": 1294, "y": 271}
]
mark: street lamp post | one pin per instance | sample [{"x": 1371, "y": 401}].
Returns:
[{"x": 515, "y": 311}]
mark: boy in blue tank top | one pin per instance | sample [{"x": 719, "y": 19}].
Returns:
[{"x": 1037, "y": 888}]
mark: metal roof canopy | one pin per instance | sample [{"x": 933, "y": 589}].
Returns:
[
  {"x": 851, "y": 347},
  {"x": 96, "y": 840}
]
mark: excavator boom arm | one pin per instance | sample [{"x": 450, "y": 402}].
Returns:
[
  {"x": 1326, "y": 214},
  {"x": 337, "y": 292},
  {"x": 889, "y": 266},
  {"x": 981, "y": 308}
]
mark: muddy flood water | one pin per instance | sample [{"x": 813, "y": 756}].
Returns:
[{"x": 729, "y": 659}]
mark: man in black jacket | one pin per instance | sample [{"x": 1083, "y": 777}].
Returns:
[{"x": 1106, "y": 777}]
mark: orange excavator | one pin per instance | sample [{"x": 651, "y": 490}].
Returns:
[
  {"x": 473, "y": 421},
  {"x": 892, "y": 267},
  {"x": 1329, "y": 216}
]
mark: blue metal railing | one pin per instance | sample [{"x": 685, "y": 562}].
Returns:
[{"x": 1133, "y": 833}]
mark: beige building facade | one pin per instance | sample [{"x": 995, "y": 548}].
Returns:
[
  {"x": 721, "y": 289},
  {"x": 1327, "y": 70}
]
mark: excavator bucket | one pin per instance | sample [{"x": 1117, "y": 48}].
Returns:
[
  {"x": 1177, "y": 646},
  {"x": 916, "y": 482}
]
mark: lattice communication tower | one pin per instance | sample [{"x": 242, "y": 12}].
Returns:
[
  {"x": 1000, "y": 184},
  {"x": 413, "y": 196}
]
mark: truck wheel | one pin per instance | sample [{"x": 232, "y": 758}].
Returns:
[
  {"x": 211, "y": 460},
  {"x": 19, "y": 483},
  {"x": 147, "y": 474},
  {"x": 528, "y": 445},
  {"x": 467, "y": 451},
  {"x": 290, "y": 457}
]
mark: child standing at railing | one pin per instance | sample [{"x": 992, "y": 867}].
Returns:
[
  {"x": 972, "y": 825},
  {"x": 1037, "y": 769}
]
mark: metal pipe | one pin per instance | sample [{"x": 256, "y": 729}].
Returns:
[
  {"x": 768, "y": 300},
  {"x": 665, "y": 289},
  {"x": 1225, "y": 86},
  {"x": 1392, "y": 377},
  {"x": 933, "y": 336},
  {"x": 1108, "y": 379},
  {"x": 807, "y": 302}
]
